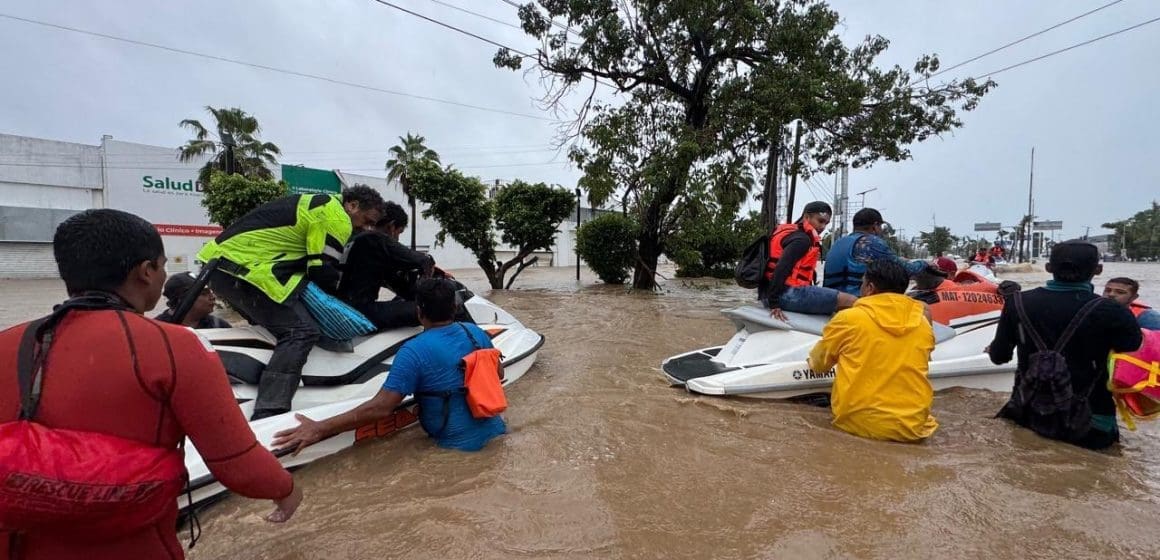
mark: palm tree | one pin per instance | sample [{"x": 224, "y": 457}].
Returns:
[
  {"x": 236, "y": 149},
  {"x": 403, "y": 156}
]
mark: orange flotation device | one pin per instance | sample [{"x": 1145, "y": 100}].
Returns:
[
  {"x": 1135, "y": 380},
  {"x": 957, "y": 299}
]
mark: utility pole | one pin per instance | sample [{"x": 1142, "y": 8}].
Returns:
[
  {"x": 575, "y": 234},
  {"x": 797, "y": 148},
  {"x": 1030, "y": 187},
  {"x": 862, "y": 202},
  {"x": 769, "y": 198},
  {"x": 844, "y": 200},
  {"x": 229, "y": 144}
]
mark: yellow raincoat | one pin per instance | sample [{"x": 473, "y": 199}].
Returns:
[{"x": 882, "y": 349}]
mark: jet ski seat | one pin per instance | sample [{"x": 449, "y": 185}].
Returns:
[{"x": 755, "y": 319}]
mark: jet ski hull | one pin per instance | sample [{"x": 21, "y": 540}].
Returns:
[{"x": 766, "y": 358}]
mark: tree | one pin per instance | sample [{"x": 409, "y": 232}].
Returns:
[
  {"x": 236, "y": 147},
  {"x": 528, "y": 216},
  {"x": 938, "y": 240},
  {"x": 707, "y": 84},
  {"x": 710, "y": 244},
  {"x": 901, "y": 247},
  {"x": 606, "y": 243},
  {"x": 229, "y": 197},
  {"x": 1138, "y": 237},
  {"x": 1021, "y": 241},
  {"x": 403, "y": 157}
]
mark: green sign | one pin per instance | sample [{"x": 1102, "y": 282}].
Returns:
[{"x": 305, "y": 180}]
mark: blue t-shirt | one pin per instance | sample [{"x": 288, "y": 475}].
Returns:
[{"x": 430, "y": 362}]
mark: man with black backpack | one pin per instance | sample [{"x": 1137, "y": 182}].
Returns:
[{"x": 1063, "y": 333}]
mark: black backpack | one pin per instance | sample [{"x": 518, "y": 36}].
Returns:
[
  {"x": 750, "y": 271},
  {"x": 1043, "y": 394}
]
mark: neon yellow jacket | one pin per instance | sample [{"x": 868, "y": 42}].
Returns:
[
  {"x": 882, "y": 348},
  {"x": 277, "y": 242}
]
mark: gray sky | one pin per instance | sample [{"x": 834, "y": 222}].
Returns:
[{"x": 1088, "y": 112}]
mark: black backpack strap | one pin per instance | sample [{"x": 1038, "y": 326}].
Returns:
[
  {"x": 29, "y": 369},
  {"x": 1026, "y": 323},
  {"x": 446, "y": 396},
  {"x": 474, "y": 343},
  {"x": 1076, "y": 322}
]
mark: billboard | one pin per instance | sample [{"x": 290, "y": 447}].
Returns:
[
  {"x": 150, "y": 182},
  {"x": 988, "y": 226}
]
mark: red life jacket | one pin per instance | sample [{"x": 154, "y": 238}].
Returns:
[
  {"x": 74, "y": 483},
  {"x": 803, "y": 270},
  {"x": 1137, "y": 308}
]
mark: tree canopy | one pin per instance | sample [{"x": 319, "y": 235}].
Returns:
[
  {"x": 938, "y": 240},
  {"x": 251, "y": 157},
  {"x": 1138, "y": 237},
  {"x": 410, "y": 150},
  {"x": 705, "y": 86},
  {"x": 526, "y": 215},
  {"x": 229, "y": 197}
]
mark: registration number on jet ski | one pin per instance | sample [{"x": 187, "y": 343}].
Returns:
[{"x": 401, "y": 418}]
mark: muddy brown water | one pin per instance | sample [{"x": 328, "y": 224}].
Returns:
[{"x": 605, "y": 460}]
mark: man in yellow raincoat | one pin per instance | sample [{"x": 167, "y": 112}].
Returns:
[{"x": 882, "y": 348}]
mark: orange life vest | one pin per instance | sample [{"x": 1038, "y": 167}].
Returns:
[
  {"x": 962, "y": 300},
  {"x": 1137, "y": 308},
  {"x": 803, "y": 270}
]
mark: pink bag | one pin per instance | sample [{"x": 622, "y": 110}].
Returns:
[{"x": 1135, "y": 380}]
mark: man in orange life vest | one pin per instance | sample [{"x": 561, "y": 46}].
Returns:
[
  {"x": 1126, "y": 292},
  {"x": 794, "y": 251}
]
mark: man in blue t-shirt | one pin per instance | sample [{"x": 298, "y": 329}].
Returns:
[{"x": 426, "y": 366}]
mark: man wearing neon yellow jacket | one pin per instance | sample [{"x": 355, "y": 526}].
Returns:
[{"x": 265, "y": 260}]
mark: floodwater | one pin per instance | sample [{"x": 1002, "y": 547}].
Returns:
[{"x": 605, "y": 460}]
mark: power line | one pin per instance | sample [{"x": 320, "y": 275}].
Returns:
[
  {"x": 1065, "y": 49},
  {"x": 466, "y": 11},
  {"x": 453, "y": 28},
  {"x": 176, "y": 167},
  {"x": 566, "y": 29},
  {"x": 272, "y": 68},
  {"x": 484, "y": 39},
  {"x": 1017, "y": 41}
]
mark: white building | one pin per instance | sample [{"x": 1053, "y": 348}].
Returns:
[{"x": 43, "y": 182}]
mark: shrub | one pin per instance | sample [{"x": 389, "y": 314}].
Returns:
[
  {"x": 229, "y": 197},
  {"x": 608, "y": 244},
  {"x": 712, "y": 246}
]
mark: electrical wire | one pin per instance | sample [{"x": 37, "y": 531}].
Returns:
[
  {"x": 273, "y": 68},
  {"x": 453, "y": 28},
  {"x": 1065, "y": 49},
  {"x": 466, "y": 11},
  {"x": 1017, "y": 41},
  {"x": 516, "y": 5}
]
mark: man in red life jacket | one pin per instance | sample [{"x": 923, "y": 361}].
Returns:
[
  {"x": 1126, "y": 291},
  {"x": 794, "y": 251}
]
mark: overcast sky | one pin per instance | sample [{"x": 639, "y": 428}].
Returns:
[{"x": 1089, "y": 112}]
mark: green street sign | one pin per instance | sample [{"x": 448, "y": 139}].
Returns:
[{"x": 305, "y": 180}]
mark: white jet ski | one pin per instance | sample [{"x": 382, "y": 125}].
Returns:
[
  {"x": 333, "y": 383},
  {"x": 767, "y": 358}
]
